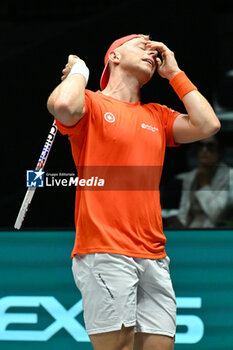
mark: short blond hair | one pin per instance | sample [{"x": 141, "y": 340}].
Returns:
[{"x": 146, "y": 36}]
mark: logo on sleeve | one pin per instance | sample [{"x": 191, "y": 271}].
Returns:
[{"x": 109, "y": 117}]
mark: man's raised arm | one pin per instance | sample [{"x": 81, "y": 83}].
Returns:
[
  {"x": 200, "y": 121},
  {"x": 66, "y": 102}
]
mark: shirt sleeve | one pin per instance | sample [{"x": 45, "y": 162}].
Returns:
[{"x": 168, "y": 118}]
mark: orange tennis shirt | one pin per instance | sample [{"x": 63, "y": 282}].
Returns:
[{"x": 123, "y": 143}]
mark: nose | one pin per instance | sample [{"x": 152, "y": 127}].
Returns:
[{"x": 153, "y": 54}]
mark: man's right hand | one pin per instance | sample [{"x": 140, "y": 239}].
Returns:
[{"x": 72, "y": 59}]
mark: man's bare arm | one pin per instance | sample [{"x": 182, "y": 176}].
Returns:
[
  {"x": 66, "y": 102},
  {"x": 200, "y": 121}
]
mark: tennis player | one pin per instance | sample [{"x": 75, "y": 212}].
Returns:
[{"x": 119, "y": 260}]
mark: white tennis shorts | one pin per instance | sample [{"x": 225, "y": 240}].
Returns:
[{"x": 118, "y": 290}]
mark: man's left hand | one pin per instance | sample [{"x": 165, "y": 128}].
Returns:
[{"x": 167, "y": 67}]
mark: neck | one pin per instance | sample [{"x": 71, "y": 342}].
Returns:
[{"x": 123, "y": 88}]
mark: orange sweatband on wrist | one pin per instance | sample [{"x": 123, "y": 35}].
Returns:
[{"x": 181, "y": 84}]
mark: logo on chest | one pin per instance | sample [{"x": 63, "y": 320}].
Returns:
[
  {"x": 109, "y": 117},
  {"x": 149, "y": 127}
]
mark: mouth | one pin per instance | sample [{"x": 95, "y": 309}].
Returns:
[{"x": 149, "y": 61}]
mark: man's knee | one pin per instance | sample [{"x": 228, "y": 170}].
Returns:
[
  {"x": 116, "y": 340},
  {"x": 144, "y": 341}
]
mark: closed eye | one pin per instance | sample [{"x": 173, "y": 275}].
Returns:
[{"x": 142, "y": 46}]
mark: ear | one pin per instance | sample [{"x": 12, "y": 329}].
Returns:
[{"x": 115, "y": 57}]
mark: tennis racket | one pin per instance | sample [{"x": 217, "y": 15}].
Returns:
[{"x": 40, "y": 165}]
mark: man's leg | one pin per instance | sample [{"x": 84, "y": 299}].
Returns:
[
  {"x": 156, "y": 307},
  {"x": 108, "y": 284},
  {"x": 117, "y": 340},
  {"x": 144, "y": 341}
]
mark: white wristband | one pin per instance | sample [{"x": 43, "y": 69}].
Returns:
[{"x": 80, "y": 68}]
